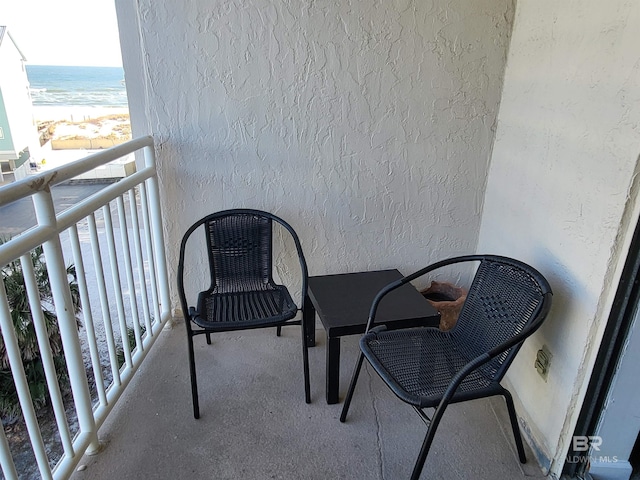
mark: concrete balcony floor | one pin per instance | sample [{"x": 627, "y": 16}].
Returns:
[{"x": 255, "y": 425}]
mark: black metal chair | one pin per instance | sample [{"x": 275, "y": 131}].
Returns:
[
  {"x": 242, "y": 294},
  {"x": 428, "y": 368}
]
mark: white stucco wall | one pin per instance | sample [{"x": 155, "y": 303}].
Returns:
[
  {"x": 560, "y": 193},
  {"x": 366, "y": 125}
]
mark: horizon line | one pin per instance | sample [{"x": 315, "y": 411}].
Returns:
[{"x": 29, "y": 64}]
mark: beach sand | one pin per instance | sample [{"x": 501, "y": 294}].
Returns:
[
  {"x": 75, "y": 113},
  {"x": 63, "y": 124},
  {"x": 77, "y": 131}
]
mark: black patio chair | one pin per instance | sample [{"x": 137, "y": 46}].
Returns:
[
  {"x": 428, "y": 368},
  {"x": 242, "y": 294}
]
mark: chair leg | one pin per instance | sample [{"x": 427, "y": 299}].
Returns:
[
  {"x": 424, "y": 450},
  {"x": 428, "y": 440},
  {"x": 208, "y": 335},
  {"x": 352, "y": 387},
  {"x": 305, "y": 362},
  {"x": 514, "y": 424},
  {"x": 194, "y": 384},
  {"x": 278, "y": 331}
]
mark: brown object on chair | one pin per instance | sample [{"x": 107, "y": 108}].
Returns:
[{"x": 448, "y": 299}]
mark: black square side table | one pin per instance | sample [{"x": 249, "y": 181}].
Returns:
[{"x": 342, "y": 303}]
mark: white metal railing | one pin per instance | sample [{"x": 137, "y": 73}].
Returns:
[{"x": 86, "y": 235}]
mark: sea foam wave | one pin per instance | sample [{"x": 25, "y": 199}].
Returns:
[{"x": 70, "y": 86}]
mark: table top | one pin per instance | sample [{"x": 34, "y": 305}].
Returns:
[{"x": 343, "y": 302}]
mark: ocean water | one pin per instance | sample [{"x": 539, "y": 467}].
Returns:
[{"x": 73, "y": 86}]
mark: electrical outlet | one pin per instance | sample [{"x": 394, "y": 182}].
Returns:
[{"x": 543, "y": 362}]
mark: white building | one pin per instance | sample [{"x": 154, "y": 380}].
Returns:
[{"x": 18, "y": 131}]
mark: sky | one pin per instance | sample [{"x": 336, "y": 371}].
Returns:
[{"x": 64, "y": 32}]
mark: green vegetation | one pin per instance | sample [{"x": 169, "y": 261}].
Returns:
[
  {"x": 14, "y": 284},
  {"x": 131, "y": 339}
]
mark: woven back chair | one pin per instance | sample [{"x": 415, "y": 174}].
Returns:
[
  {"x": 428, "y": 368},
  {"x": 242, "y": 293}
]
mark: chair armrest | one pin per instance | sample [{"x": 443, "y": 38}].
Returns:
[
  {"x": 186, "y": 310},
  {"x": 193, "y": 313},
  {"x": 303, "y": 263},
  {"x": 404, "y": 280}
]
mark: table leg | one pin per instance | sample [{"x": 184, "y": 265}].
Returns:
[
  {"x": 309, "y": 321},
  {"x": 333, "y": 369}
]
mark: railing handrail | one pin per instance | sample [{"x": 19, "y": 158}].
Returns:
[
  {"x": 38, "y": 234},
  {"x": 35, "y": 236},
  {"x": 42, "y": 181}
]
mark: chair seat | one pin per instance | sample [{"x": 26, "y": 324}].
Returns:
[
  {"x": 419, "y": 363},
  {"x": 239, "y": 310}
]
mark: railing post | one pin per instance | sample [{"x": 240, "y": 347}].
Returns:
[
  {"x": 157, "y": 233},
  {"x": 22, "y": 389},
  {"x": 6, "y": 460},
  {"x": 46, "y": 216}
]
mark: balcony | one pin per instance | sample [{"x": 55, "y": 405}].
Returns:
[
  {"x": 255, "y": 425},
  {"x": 254, "y": 422}
]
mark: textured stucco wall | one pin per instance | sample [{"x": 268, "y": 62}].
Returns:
[
  {"x": 561, "y": 191},
  {"x": 365, "y": 124}
]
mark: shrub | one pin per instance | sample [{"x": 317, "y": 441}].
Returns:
[
  {"x": 131, "y": 340},
  {"x": 14, "y": 284}
]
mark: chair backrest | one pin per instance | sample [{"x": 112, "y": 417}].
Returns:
[
  {"x": 239, "y": 248},
  {"x": 505, "y": 298}
]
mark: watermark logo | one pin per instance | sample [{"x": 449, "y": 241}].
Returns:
[{"x": 582, "y": 443}]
